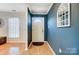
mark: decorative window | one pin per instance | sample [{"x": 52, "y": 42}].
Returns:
[
  {"x": 13, "y": 27},
  {"x": 63, "y": 15}
]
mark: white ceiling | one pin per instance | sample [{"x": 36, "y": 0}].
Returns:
[
  {"x": 8, "y": 7},
  {"x": 40, "y": 8},
  {"x": 35, "y": 8}
]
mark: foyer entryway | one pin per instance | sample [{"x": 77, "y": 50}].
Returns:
[{"x": 38, "y": 30}]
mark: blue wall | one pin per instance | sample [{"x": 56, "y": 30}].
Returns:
[
  {"x": 66, "y": 38},
  {"x": 29, "y": 27}
]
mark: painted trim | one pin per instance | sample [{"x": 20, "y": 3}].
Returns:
[
  {"x": 42, "y": 13},
  {"x": 50, "y": 7},
  {"x": 15, "y": 41},
  {"x": 37, "y": 13},
  {"x": 50, "y": 48},
  {"x": 30, "y": 44},
  {"x": 26, "y": 42}
]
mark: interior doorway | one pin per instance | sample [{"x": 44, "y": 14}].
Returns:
[{"x": 37, "y": 29}]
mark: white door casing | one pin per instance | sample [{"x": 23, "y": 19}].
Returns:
[{"x": 38, "y": 29}]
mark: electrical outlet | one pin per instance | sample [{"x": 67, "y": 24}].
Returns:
[{"x": 60, "y": 51}]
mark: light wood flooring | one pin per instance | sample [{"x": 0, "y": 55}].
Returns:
[
  {"x": 5, "y": 48},
  {"x": 33, "y": 50},
  {"x": 40, "y": 50}
]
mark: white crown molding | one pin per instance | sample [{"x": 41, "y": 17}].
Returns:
[
  {"x": 49, "y": 8},
  {"x": 41, "y": 13}
]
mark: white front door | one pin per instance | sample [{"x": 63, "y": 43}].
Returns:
[{"x": 37, "y": 29}]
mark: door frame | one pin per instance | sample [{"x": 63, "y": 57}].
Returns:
[
  {"x": 43, "y": 27},
  {"x": 45, "y": 24}
]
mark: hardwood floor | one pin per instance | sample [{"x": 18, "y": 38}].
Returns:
[
  {"x": 19, "y": 49},
  {"x": 5, "y": 49},
  {"x": 40, "y": 50}
]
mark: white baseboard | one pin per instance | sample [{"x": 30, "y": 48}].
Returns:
[
  {"x": 15, "y": 42},
  {"x": 47, "y": 44},
  {"x": 50, "y": 48},
  {"x": 30, "y": 44}
]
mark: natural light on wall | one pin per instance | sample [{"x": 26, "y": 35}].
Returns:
[{"x": 13, "y": 27}]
